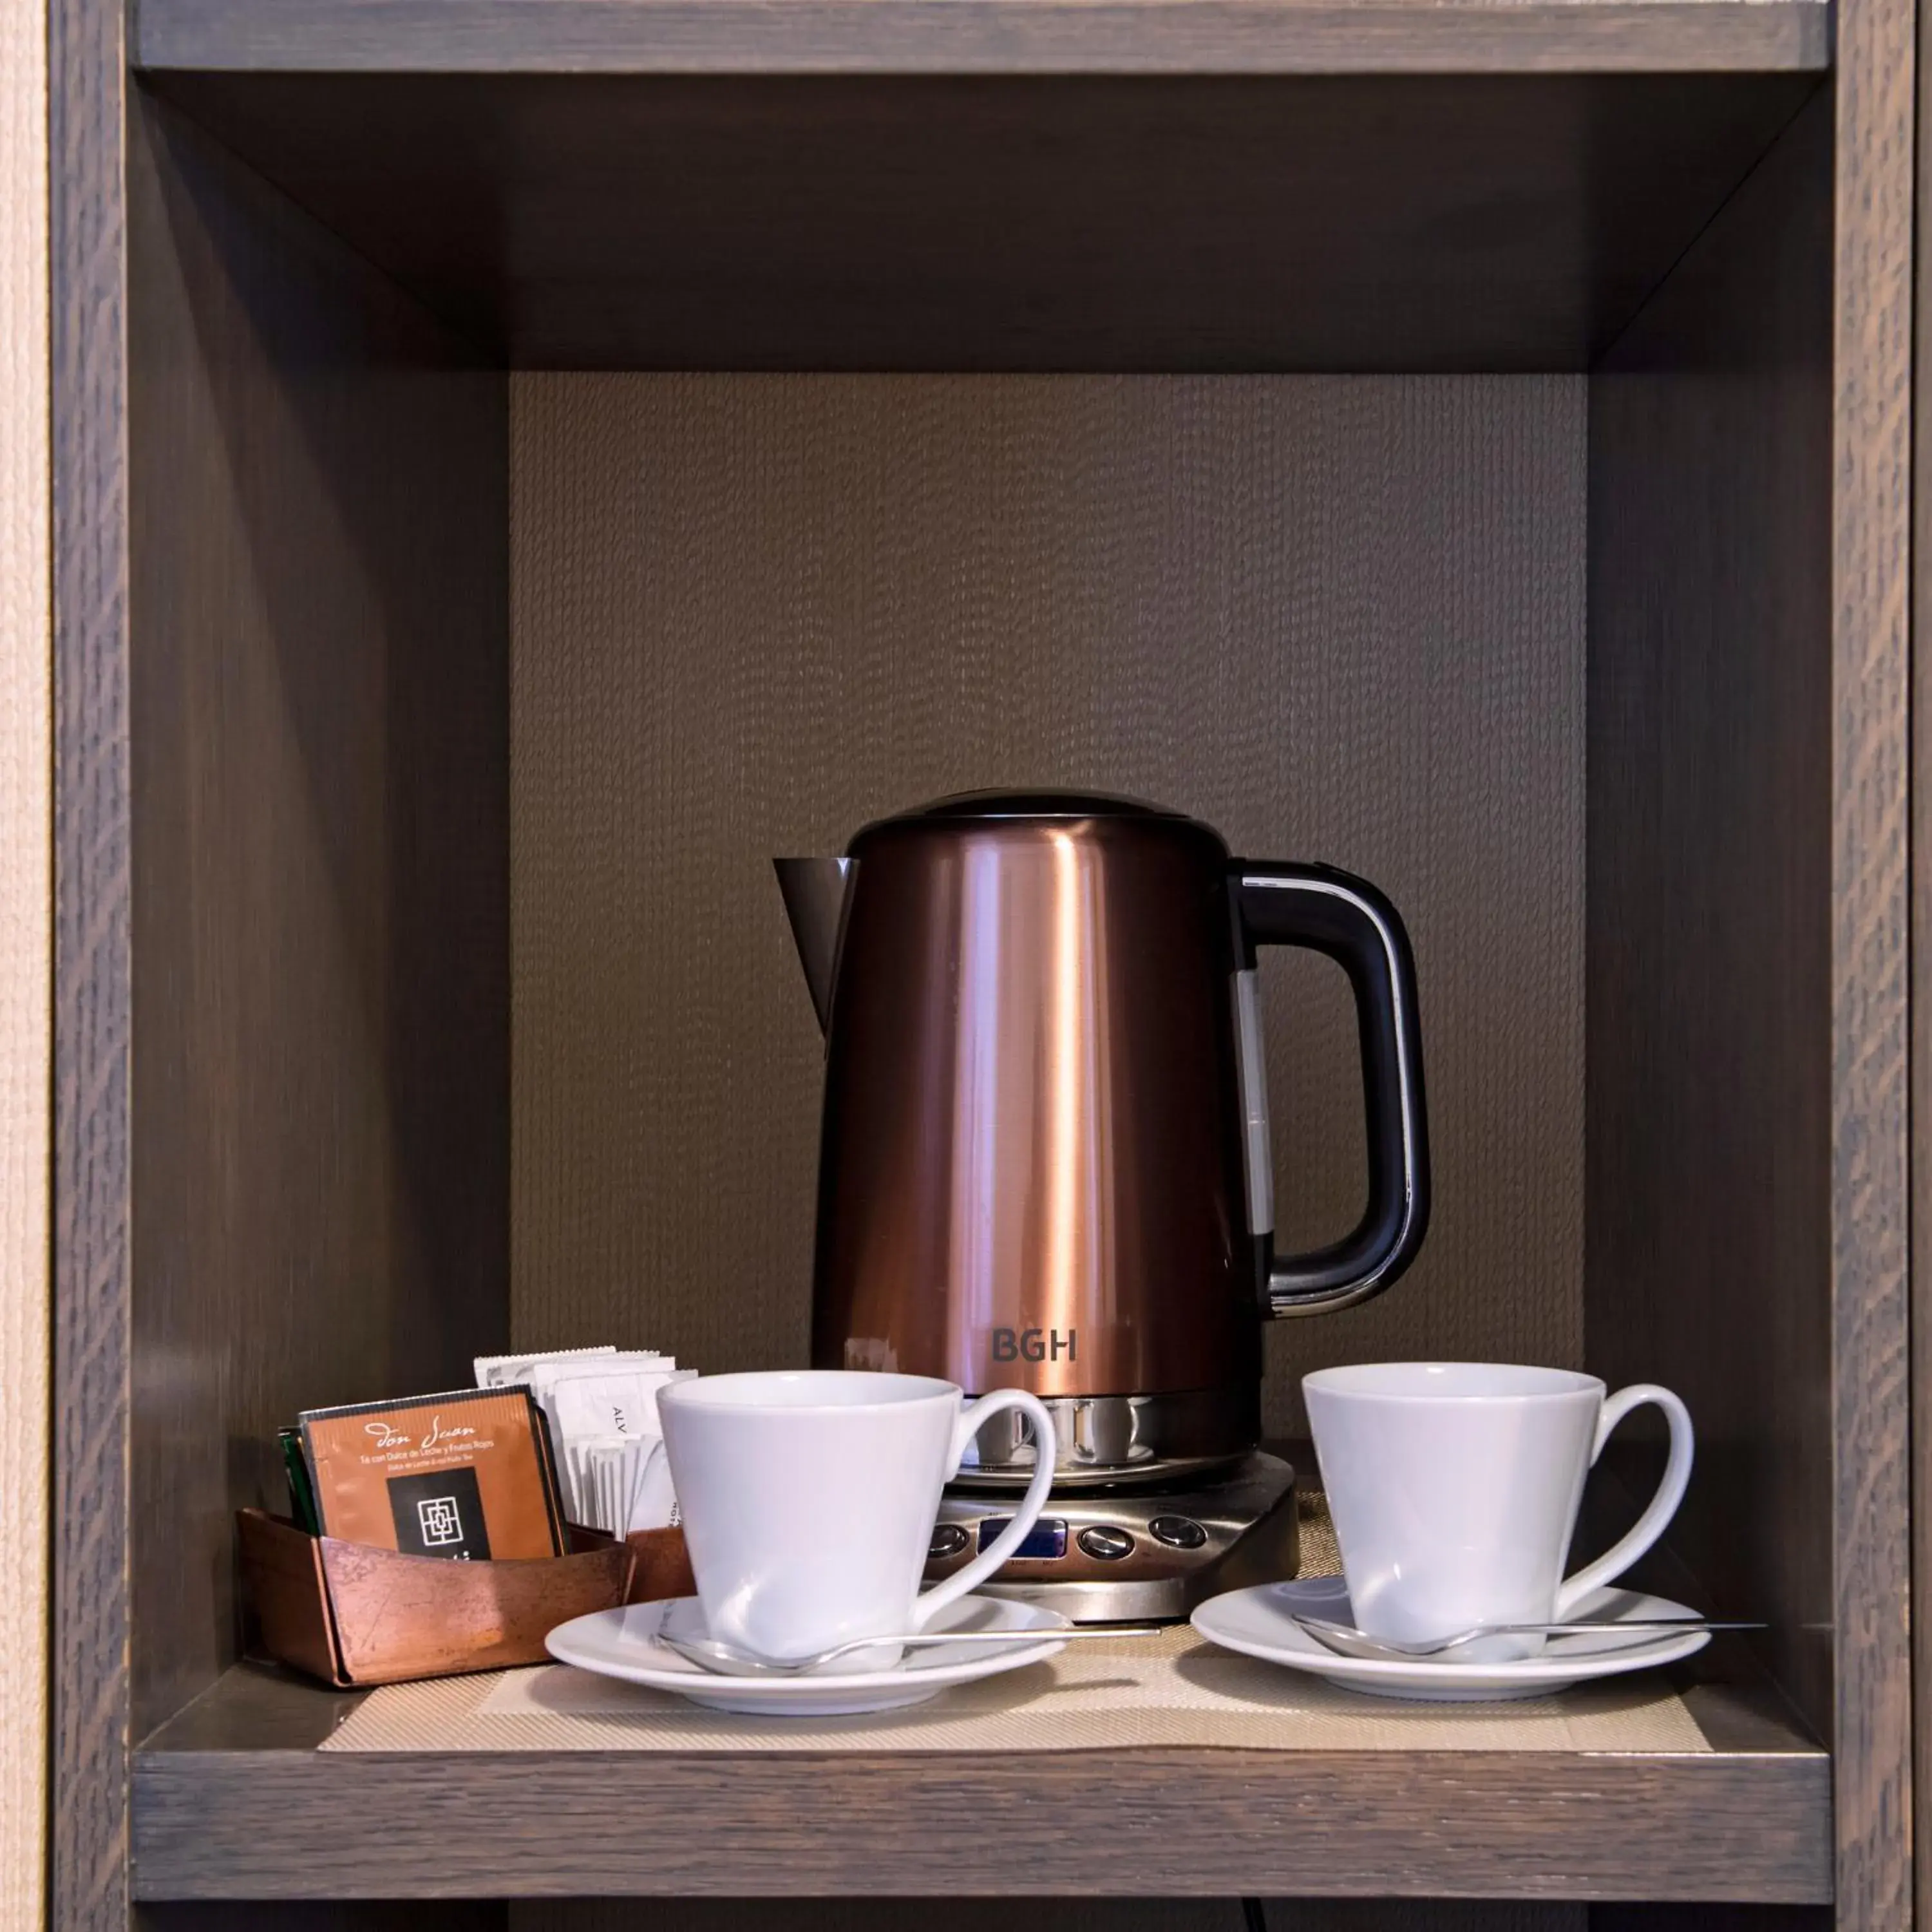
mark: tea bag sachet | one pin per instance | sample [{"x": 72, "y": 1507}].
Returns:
[
  {"x": 465, "y": 1475},
  {"x": 587, "y": 1400},
  {"x": 601, "y": 1407},
  {"x": 499, "y": 1371}
]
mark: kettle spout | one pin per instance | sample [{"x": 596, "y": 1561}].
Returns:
[{"x": 815, "y": 892}]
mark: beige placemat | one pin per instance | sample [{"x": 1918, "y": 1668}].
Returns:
[
  {"x": 1171, "y": 1689},
  {"x": 1314, "y": 1531}
]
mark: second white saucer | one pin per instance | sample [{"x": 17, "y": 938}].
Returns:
[
  {"x": 1260, "y": 1622},
  {"x": 623, "y": 1644}
]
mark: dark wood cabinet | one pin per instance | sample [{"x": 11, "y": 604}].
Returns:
[{"x": 517, "y": 465}]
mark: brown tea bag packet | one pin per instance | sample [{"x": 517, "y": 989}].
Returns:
[{"x": 465, "y": 1475}]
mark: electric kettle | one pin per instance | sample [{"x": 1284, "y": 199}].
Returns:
[{"x": 1044, "y": 1160}]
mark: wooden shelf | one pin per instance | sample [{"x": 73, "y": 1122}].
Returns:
[
  {"x": 1004, "y": 36},
  {"x": 1349, "y": 220},
  {"x": 228, "y": 1798}
]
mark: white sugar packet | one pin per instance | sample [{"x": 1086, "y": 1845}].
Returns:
[
  {"x": 548, "y": 1373},
  {"x": 654, "y": 1505},
  {"x": 601, "y": 1405},
  {"x": 618, "y": 1483},
  {"x": 588, "y": 1484},
  {"x": 501, "y": 1371},
  {"x": 584, "y": 1400}
]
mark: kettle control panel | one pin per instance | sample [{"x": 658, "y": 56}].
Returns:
[
  {"x": 1046, "y": 1540},
  {"x": 1112, "y": 1554}
]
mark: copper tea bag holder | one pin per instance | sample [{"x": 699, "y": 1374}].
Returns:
[{"x": 352, "y": 1614}]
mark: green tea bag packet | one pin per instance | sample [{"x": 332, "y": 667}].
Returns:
[{"x": 301, "y": 1490}]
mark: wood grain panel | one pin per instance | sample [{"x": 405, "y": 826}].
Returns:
[
  {"x": 88, "y": 1815},
  {"x": 1871, "y": 565},
  {"x": 1339, "y": 619},
  {"x": 26, "y": 960},
  {"x": 1921, "y": 994},
  {"x": 1708, "y": 1228},
  {"x": 320, "y": 917},
  {"x": 1748, "y": 912},
  {"x": 1043, "y": 1915},
  {"x": 228, "y": 1821},
  {"x": 979, "y": 36},
  {"x": 834, "y": 220},
  {"x": 1871, "y": 957}
]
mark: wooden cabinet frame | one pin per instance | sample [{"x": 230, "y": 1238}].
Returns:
[{"x": 114, "y": 624}]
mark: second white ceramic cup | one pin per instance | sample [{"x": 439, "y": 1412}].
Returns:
[
  {"x": 1454, "y": 1488},
  {"x": 809, "y": 1498}
]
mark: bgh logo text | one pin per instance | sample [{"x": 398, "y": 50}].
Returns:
[{"x": 1032, "y": 1345}]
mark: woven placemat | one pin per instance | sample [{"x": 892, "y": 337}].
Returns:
[{"x": 1172, "y": 1689}]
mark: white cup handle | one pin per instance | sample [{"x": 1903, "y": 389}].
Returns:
[
  {"x": 1016, "y": 1532},
  {"x": 1655, "y": 1519}
]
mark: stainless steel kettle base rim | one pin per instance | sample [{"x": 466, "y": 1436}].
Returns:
[
  {"x": 1164, "y": 1472},
  {"x": 1110, "y": 1441},
  {"x": 1163, "y": 1599}
]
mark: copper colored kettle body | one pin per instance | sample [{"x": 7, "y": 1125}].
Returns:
[{"x": 1045, "y": 1161}]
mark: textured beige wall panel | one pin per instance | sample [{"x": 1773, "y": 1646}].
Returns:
[
  {"x": 26, "y": 958},
  {"x": 1342, "y": 618}
]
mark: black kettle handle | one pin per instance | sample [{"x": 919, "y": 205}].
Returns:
[{"x": 1334, "y": 913}]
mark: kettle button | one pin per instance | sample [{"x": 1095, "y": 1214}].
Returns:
[
  {"x": 948, "y": 1539},
  {"x": 1105, "y": 1543},
  {"x": 1180, "y": 1532}
]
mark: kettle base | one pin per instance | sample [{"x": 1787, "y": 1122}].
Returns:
[
  {"x": 1134, "y": 1553},
  {"x": 1122, "y": 1441}
]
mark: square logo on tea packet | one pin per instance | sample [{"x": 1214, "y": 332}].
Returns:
[
  {"x": 440, "y": 1519},
  {"x": 440, "y": 1515}
]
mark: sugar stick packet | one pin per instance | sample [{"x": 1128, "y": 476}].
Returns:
[{"x": 600, "y": 1407}]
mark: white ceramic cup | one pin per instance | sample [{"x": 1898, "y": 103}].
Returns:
[
  {"x": 1454, "y": 1488},
  {"x": 809, "y": 1498}
]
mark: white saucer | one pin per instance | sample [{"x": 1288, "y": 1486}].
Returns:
[
  {"x": 1258, "y": 1622},
  {"x": 621, "y": 1643}
]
